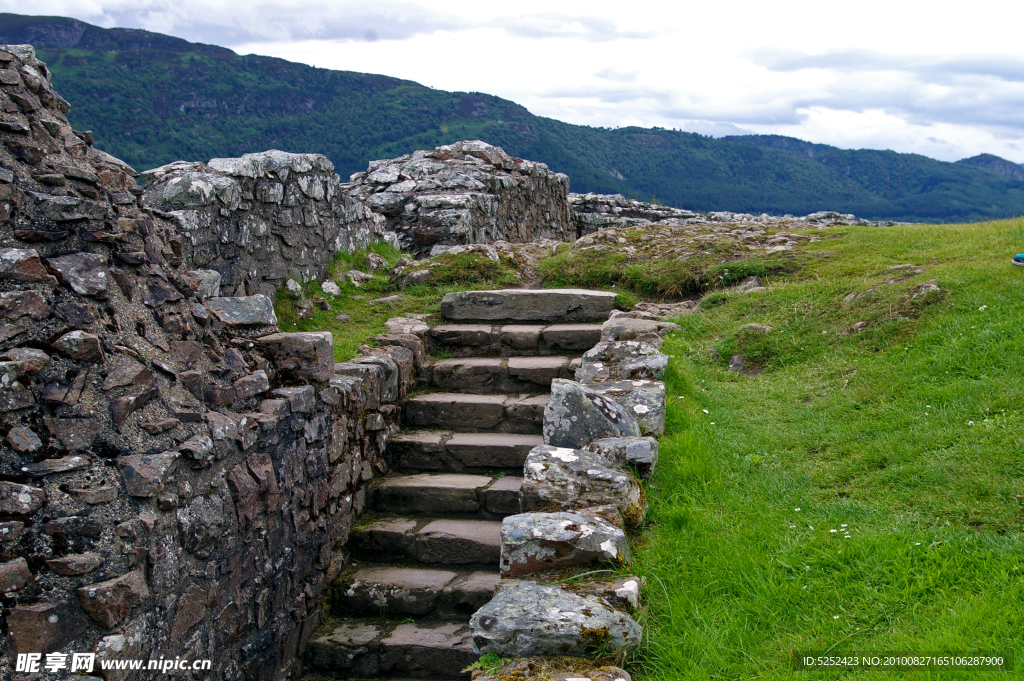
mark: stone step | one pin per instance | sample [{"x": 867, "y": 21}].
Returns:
[
  {"x": 433, "y": 450},
  {"x": 501, "y": 374},
  {"x": 444, "y": 494},
  {"x": 513, "y": 340},
  {"x": 474, "y": 413},
  {"x": 446, "y": 541},
  {"x": 528, "y": 305},
  {"x": 358, "y": 648},
  {"x": 391, "y": 591}
]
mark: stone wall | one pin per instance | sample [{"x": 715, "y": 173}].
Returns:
[
  {"x": 263, "y": 218},
  {"x": 177, "y": 478},
  {"x": 465, "y": 193}
]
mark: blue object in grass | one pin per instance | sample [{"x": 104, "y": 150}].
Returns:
[{"x": 1018, "y": 260}]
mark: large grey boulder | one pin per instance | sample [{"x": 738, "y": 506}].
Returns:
[
  {"x": 531, "y": 542},
  {"x": 639, "y": 452},
  {"x": 525, "y": 619},
  {"x": 576, "y": 415},
  {"x": 621, "y": 360},
  {"x": 560, "y": 477},
  {"x": 644, "y": 400},
  {"x": 527, "y": 305}
]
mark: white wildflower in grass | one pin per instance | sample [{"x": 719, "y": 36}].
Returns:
[
  {"x": 833, "y": 531},
  {"x": 797, "y": 509},
  {"x": 970, "y": 423},
  {"x": 917, "y": 543},
  {"x": 793, "y": 527},
  {"x": 843, "y": 525},
  {"x": 706, "y": 411},
  {"x": 982, "y": 308},
  {"x": 712, "y": 423},
  {"x": 811, "y": 526},
  {"x": 835, "y": 617}
]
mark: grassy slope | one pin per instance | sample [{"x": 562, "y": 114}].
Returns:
[{"x": 868, "y": 432}]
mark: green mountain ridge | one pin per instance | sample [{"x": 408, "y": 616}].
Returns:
[{"x": 152, "y": 99}]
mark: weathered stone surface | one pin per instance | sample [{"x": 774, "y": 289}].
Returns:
[
  {"x": 443, "y": 650},
  {"x": 624, "y": 328},
  {"x": 473, "y": 335},
  {"x": 110, "y": 602},
  {"x": 209, "y": 283},
  {"x": 144, "y": 474},
  {"x": 641, "y": 453},
  {"x": 51, "y": 466},
  {"x": 18, "y": 304},
  {"x": 567, "y": 478},
  {"x": 576, "y": 415},
  {"x": 622, "y": 360},
  {"x": 85, "y": 273},
  {"x": 18, "y": 499},
  {"x": 201, "y": 523},
  {"x": 521, "y": 336},
  {"x": 454, "y": 410},
  {"x": 645, "y": 400},
  {"x": 499, "y": 450},
  {"x": 42, "y": 627},
  {"x": 123, "y": 407},
  {"x": 455, "y": 542},
  {"x": 73, "y": 434},
  {"x": 252, "y": 384},
  {"x": 75, "y": 564},
  {"x": 14, "y": 575},
  {"x": 526, "y": 619},
  {"x": 531, "y": 542},
  {"x": 73, "y": 525},
  {"x": 572, "y": 336},
  {"x": 23, "y": 440},
  {"x": 18, "y": 264},
  {"x": 80, "y": 345},
  {"x": 528, "y": 305},
  {"x": 257, "y": 310},
  {"x": 94, "y": 495},
  {"x": 399, "y": 590},
  {"x": 302, "y": 356},
  {"x": 622, "y": 593},
  {"x": 406, "y": 326},
  {"x": 425, "y": 493},
  {"x": 352, "y": 646},
  {"x": 502, "y": 497}
]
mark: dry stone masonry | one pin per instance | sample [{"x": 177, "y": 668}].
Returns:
[{"x": 177, "y": 478}]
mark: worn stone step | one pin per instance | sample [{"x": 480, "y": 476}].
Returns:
[
  {"x": 441, "y": 494},
  {"x": 392, "y": 591},
  {"x": 433, "y": 450},
  {"x": 528, "y": 305},
  {"x": 369, "y": 649},
  {"x": 476, "y": 413},
  {"x": 498, "y": 374},
  {"x": 445, "y": 541},
  {"x": 513, "y": 340}
]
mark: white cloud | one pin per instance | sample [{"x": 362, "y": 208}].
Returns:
[{"x": 876, "y": 73}]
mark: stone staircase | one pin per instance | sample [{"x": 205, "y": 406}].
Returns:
[{"x": 426, "y": 554}]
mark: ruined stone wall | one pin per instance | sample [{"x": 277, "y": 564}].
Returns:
[
  {"x": 263, "y": 218},
  {"x": 176, "y": 477},
  {"x": 465, "y": 193}
]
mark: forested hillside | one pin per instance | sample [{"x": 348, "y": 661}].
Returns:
[{"x": 151, "y": 99}]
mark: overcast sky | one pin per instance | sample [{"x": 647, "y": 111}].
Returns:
[{"x": 936, "y": 78}]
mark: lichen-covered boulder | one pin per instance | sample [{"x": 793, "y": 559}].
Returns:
[
  {"x": 526, "y": 619},
  {"x": 639, "y": 452},
  {"x": 560, "y": 477},
  {"x": 621, "y": 361},
  {"x": 644, "y": 400},
  {"x": 531, "y": 542},
  {"x": 576, "y": 415}
]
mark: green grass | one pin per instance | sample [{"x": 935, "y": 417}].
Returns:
[
  {"x": 650, "y": 279},
  {"x": 455, "y": 273},
  {"x": 907, "y": 435}
]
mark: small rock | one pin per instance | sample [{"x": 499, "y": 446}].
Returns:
[
  {"x": 294, "y": 287},
  {"x": 375, "y": 262},
  {"x": 209, "y": 283},
  {"x": 31, "y": 360},
  {"x": 388, "y": 299},
  {"x": 342, "y": 318},
  {"x": 111, "y": 602},
  {"x": 331, "y": 288},
  {"x": 144, "y": 474},
  {"x": 18, "y": 304},
  {"x": 926, "y": 288},
  {"x": 123, "y": 407},
  {"x": 74, "y": 526},
  {"x": 639, "y": 452},
  {"x": 18, "y": 499},
  {"x": 80, "y": 345},
  {"x": 160, "y": 425},
  {"x": 857, "y": 326},
  {"x": 94, "y": 495},
  {"x": 357, "y": 278},
  {"x": 85, "y": 273},
  {"x": 17, "y": 264},
  {"x": 42, "y": 627},
  {"x": 75, "y": 564},
  {"x": 257, "y": 310},
  {"x": 763, "y": 328},
  {"x": 51, "y": 466},
  {"x": 302, "y": 356},
  {"x": 74, "y": 434},
  {"x": 252, "y": 384},
  {"x": 23, "y": 440},
  {"x": 406, "y": 325},
  {"x": 526, "y": 619},
  {"x": 14, "y": 575},
  {"x": 737, "y": 363}
]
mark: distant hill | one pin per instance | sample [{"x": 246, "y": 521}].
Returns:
[
  {"x": 152, "y": 99},
  {"x": 996, "y": 164}
]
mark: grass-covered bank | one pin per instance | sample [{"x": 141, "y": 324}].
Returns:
[{"x": 854, "y": 490}]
